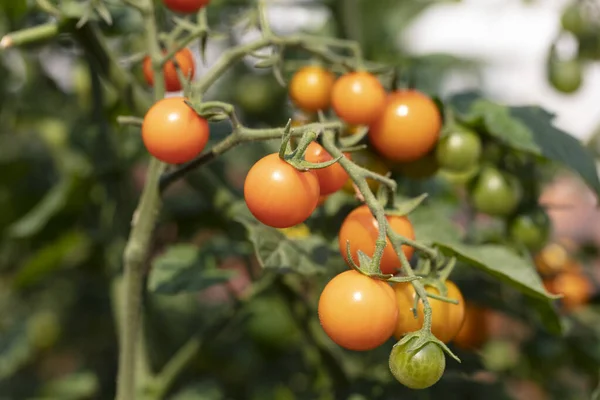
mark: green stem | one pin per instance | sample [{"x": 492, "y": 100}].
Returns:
[
  {"x": 143, "y": 223},
  {"x": 30, "y": 35}
]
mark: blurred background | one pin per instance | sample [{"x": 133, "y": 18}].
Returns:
[{"x": 70, "y": 178}]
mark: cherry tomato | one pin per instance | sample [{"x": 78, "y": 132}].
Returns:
[
  {"x": 271, "y": 324},
  {"x": 408, "y": 128},
  {"x": 575, "y": 287},
  {"x": 447, "y": 318},
  {"x": 361, "y": 229},
  {"x": 185, "y": 6},
  {"x": 475, "y": 330},
  {"x": 531, "y": 229},
  {"x": 423, "y": 168},
  {"x": 574, "y": 20},
  {"x": 459, "y": 151},
  {"x": 185, "y": 60},
  {"x": 278, "y": 194},
  {"x": 369, "y": 160},
  {"x": 332, "y": 178},
  {"x": 358, "y": 98},
  {"x": 495, "y": 193},
  {"x": 357, "y": 312},
  {"x": 420, "y": 369},
  {"x": 173, "y": 132},
  {"x": 566, "y": 76},
  {"x": 552, "y": 259},
  {"x": 310, "y": 88}
]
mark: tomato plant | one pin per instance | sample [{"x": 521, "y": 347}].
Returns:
[
  {"x": 332, "y": 178},
  {"x": 531, "y": 229},
  {"x": 369, "y": 160},
  {"x": 185, "y": 62},
  {"x": 310, "y": 88},
  {"x": 357, "y": 312},
  {"x": 408, "y": 128},
  {"x": 278, "y": 194},
  {"x": 173, "y": 132},
  {"x": 565, "y": 75},
  {"x": 447, "y": 317},
  {"x": 419, "y": 369},
  {"x": 475, "y": 329},
  {"x": 495, "y": 193},
  {"x": 360, "y": 229},
  {"x": 358, "y": 98},
  {"x": 185, "y": 6},
  {"x": 459, "y": 151},
  {"x": 574, "y": 286}
]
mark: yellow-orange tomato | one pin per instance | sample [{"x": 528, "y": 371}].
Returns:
[
  {"x": 310, "y": 88},
  {"x": 278, "y": 194},
  {"x": 575, "y": 287},
  {"x": 173, "y": 132},
  {"x": 184, "y": 59},
  {"x": 367, "y": 159},
  {"x": 552, "y": 259},
  {"x": 361, "y": 229},
  {"x": 446, "y": 318},
  {"x": 357, "y": 312},
  {"x": 358, "y": 98},
  {"x": 332, "y": 178},
  {"x": 408, "y": 128},
  {"x": 475, "y": 330},
  {"x": 185, "y": 6}
]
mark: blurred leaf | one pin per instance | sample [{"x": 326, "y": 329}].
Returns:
[
  {"x": 546, "y": 312},
  {"x": 14, "y": 349},
  {"x": 275, "y": 250},
  {"x": 186, "y": 268},
  {"x": 204, "y": 390},
  {"x": 14, "y": 9},
  {"x": 66, "y": 251},
  {"x": 80, "y": 385},
  {"x": 528, "y": 129}
]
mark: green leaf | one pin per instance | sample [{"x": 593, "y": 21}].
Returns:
[
  {"x": 407, "y": 206},
  {"x": 186, "y": 268},
  {"x": 546, "y": 312},
  {"x": 202, "y": 390},
  {"x": 14, "y": 9},
  {"x": 276, "y": 251},
  {"x": 528, "y": 129},
  {"x": 66, "y": 251},
  {"x": 15, "y": 349},
  {"x": 76, "y": 386}
]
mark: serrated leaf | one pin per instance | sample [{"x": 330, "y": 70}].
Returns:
[
  {"x": 186, "y": 268},
  {"x": 276, "y": 251}
]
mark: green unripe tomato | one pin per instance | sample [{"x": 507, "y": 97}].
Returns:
[
  {"x": 460, "y": 178},
  {"x": 420, "y": 369},
  {"x": 566, "y": 76},
  {"x": 271, "y": 324},
  {"x": 495, "y": 193},
  {"x": 574, "y": 20},
  {"x": 459, "y": 151},
  {"x": 257, "y": 94},
  {"x": 531, "y": 229}
]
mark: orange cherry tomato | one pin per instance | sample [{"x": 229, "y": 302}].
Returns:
[
  {"x": 332, "y": 178},
  {"x": 358, "y": 98},
  {"x": 408, "y": 128},
  {"x": 475, "y": 330},
  {"x": 278, "y": 194},
  {"x": 310, "y": 88},
  {"x": 185, "y": 6},
  {"x": 575, "y": 287},
  {"x": 358, "y": 312},
  {"x": 173, "y": 132},
  {"x": 447, "y": 318},
  {"x": 361, "y": 229},
  {"x": 185, "y": 60}
]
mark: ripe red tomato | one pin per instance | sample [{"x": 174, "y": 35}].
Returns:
[
  {"x": 408, "y": 128},
  {"x": 185, "y": 60},
  {"x": 173, "y": 132},
  {"x": 447, "y": 318},
  {"x": 278, "y": 194},
  {"x": 310, "y": 88},
  {"x": 332, "y": 178},
  {"x": 358, "y": 98},
  {"x": 361, "y": 229},
  {"x": 185, "y": 6},
  {"x": 357, "y": 312}
]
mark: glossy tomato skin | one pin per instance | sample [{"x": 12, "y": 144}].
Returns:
[
  {"x": 332, "y": 178},
  {"x": 185, "y": 60},
  {"x": 459, "y": 151},
  {"x": 279, "y": 195},
  {"x": 173, "y": 132},
  {"x": 185, "y": 6},
  {"x": 372, "y": 162},
  {"x": 532, "y": 229},
  {"x": 408, "y": 128},
  {"x": 357, "y": 312},
  {"x": 310, "y": 88},
  {"x": 358, "y": 98},
  {"x": 420, "y": 369},
  {"x": 475, "y": 329},
  {"x": 495, "y": 193},
  {"x": 361, "y": 229},
  {"x": 446, "y": 320}
]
